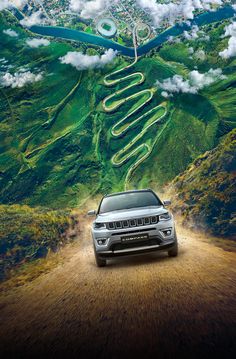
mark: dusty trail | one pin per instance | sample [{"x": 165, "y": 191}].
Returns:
[{"x": 150, "y": 306}]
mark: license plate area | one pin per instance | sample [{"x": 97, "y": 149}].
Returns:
[{"x": 135, "y": 238}]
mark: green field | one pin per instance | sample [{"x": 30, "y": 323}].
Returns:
[{"x": 56, "y": 138}]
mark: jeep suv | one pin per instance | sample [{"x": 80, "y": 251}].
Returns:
[{"x": 132, "y": 222}]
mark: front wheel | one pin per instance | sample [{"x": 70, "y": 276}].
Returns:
[
  {"x": 173, "y": 252},
  {"x": 99, "y": 261}
]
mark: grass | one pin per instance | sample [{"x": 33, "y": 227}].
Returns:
[
  {"x": 205, "y": 193},
  {"x": 56, "y": 145},
  {"x": 28, "y": 234},
  {"x": 89, "y": 30}
]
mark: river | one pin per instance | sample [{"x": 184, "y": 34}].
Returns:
[{"x": 225, "y": 12}]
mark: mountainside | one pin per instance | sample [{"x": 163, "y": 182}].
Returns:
[
  {"x": 28, "y": 234},
  {"x": 59, "y": 145},
  {"x": 205, "y": 193},
  {"x": 196, "y": 121}
]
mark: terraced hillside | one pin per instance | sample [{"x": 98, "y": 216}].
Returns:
[{"x": 57, "y": 138}]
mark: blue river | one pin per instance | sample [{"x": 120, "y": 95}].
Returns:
[{"x": 75, "y": 35}]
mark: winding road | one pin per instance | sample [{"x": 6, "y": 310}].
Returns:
[
  {"x": 156, "y": 114},
  {"x": 149, "y": 306},
  {"x": 110, "y": 103}
]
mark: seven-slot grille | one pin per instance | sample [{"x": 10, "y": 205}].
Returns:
[{"x": 129, "y": 223}]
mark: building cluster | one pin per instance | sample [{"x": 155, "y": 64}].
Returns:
[
  {"x": 51, "y": 9},
  {"x": 125, "y": 14}
]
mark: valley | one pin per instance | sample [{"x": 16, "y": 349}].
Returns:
[
  {"x": 98, "y": 97},
  {"x": 106, "y": 130}
]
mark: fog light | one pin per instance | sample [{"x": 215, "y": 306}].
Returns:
[
  {"x": 101, "y": 241},
  {"x": 166, "y": 232}
]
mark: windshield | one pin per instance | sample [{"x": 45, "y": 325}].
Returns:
[{"x": 129, "y": 200}]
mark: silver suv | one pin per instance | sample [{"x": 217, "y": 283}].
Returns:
[{"x": 132, "y": 222}]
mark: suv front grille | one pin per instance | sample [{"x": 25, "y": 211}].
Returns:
[{"x": 137, "y": 222}]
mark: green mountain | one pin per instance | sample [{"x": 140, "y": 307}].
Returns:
[
  {"x": 205, "y": 192},
  {"x": 59, "y": 145}
]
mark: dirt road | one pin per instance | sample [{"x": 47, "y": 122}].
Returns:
[{"x": 150, "y": 306}]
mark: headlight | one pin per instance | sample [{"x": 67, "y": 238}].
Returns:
[
  {"x": 98, "y": 225},
  {"x": 165, "y": 216}
]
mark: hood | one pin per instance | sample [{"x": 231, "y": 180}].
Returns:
[{"x": 130, "y": 213}]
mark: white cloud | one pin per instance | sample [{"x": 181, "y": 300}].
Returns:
[
  {"x": 37, "y": 42},
  {"x": 10, "y": 32},
  {"x": 7, "y": 4},
  {"x": 205, "y": 38},
  {"x": 89, "y": 9},
  {"x": 19, "y": 3},
  {"x": 231, "y": 49},
  {"x": 19, "y": 79},
  {"x": 195, "y": 33},
  {"x": 195, "y": 82},
  {"x": 83, "y": 62},
  {"x": 200, "y": 54},
  {"x": 36, "y": 18},
  {"x": 192, "y": 34},
  {"x": 234, "y": 7},
  {"x": 165, "y": 94},
  {"x": 230, "y": 30},
  {"x": 172, "y": 11}
]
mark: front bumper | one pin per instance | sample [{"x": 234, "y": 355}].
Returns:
[
  {"x": 136, "y": 250},
  {"x": 114, "y": 247}
]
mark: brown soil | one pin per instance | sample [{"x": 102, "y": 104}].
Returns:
[{"x": 149, "y": 306}]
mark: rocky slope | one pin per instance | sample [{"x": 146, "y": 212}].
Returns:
[{"x": 205, "y": 193}]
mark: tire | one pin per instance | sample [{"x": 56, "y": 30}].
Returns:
[
  {"x": 100, "y": 262},
  {"x": 173, "y": 252}
]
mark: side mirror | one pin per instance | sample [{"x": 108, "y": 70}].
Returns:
[
  {"x": 91, "y": 213},
  {"x": 167, "y": 202}
]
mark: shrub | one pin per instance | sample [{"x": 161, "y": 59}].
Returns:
[{"x": 28, "y": 233}]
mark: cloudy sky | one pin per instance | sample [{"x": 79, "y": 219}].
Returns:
[
  {"x": 19, "y": 79},
  {"x": 36, "y": 18},
  {"x": 89, "y": 9},
  {"x": 83, "y": 62},
  {"x": 169, "y": 11},
  {"x": 7, "y": 4},
  {"x": 10, "y": 32},
  {"x": 35, "y": 43},
  {"x": 230, "y": 51},
  {"x": 196, "y": 81}
]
